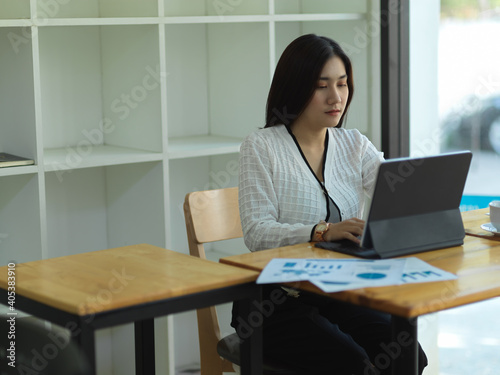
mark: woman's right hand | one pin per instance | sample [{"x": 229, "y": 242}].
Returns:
[{"x": 349, "y": 229}]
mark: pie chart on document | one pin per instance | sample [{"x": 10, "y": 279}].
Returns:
[{"x": 371, "y": 275}]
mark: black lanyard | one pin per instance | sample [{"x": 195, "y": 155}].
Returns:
[{"x": 323, "y": 187}]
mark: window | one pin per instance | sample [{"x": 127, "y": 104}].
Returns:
[{"x": 455, "y": 105}]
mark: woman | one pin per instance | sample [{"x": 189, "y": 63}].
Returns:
[{"x": 304, "y": 178}]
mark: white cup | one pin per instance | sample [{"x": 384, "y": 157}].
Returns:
[{"x": 495, "y": 214}]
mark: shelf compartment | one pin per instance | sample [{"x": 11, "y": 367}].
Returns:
[
  {"x": 219, "y": 8},
  {"x": 17, "y": 123},
  {"x": 95, "y": 85},
  {"x": 96, "y": 8},
  {"x": 211, "y": 89},
  {"x": 20, "y": 233},
  {"x": 203, "y": 145},
  {"x": 239, "y": 77},
  {"x": 15, "y": 9},
  {"x": 99, "y": 208},
  {"x": 86, "y": 155}
]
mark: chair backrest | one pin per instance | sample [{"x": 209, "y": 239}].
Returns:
[{"x": 211, "y": 215}]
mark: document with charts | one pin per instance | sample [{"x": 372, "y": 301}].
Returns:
[{"x": 333, "y": 275}]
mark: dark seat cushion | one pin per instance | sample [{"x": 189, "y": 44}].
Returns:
[{"x": 229, "y": 348}]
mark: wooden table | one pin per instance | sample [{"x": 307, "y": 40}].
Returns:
[
  {"x": 476, "y": 263},
  {"x": 106, "y": 288}
]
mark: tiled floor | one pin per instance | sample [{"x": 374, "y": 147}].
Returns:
[{"x": 469, "y": 339}]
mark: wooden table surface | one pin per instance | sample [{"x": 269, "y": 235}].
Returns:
[
  {"x": 473, "y": 221},
  {"x": 476, "y": 263},
  {"x": 104, "y": 280}
]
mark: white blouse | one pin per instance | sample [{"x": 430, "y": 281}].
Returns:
[{"x": 281, "y": 200}]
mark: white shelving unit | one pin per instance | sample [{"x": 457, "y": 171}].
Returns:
[{"x": 126, "y": 106}]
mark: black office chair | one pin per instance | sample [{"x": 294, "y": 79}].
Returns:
[{"x": 38, "y": 350}]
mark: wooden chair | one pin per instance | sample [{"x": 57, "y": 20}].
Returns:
[{"x": 213, "y": 215}]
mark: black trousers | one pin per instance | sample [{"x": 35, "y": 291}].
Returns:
[{"x": 318, "y": 335}]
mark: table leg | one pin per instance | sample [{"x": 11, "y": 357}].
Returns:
[
  {"x": 251, "y": 347},
  {"x": 86, "y": 340},
  {"x": 404, "y": 346},
  {"x": 144, "y": 347}
]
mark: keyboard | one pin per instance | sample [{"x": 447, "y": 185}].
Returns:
[{"x": 348, "y": 247}]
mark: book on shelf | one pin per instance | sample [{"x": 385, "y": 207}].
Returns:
[{"x": 9, "y": 160}]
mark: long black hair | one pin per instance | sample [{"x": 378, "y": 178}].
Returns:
[{"x": 296, "y": 77}]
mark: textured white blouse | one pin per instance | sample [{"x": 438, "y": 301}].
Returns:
[{"x": 281, "y": 200}]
